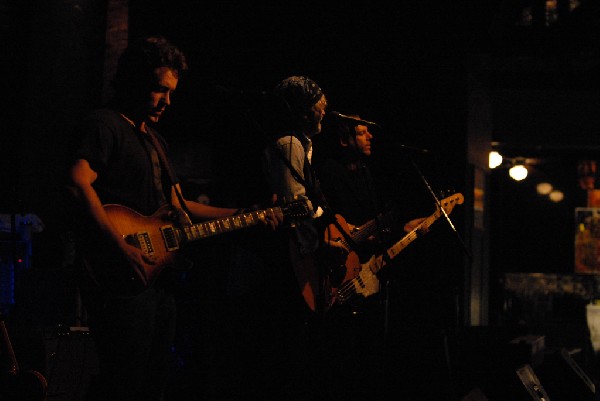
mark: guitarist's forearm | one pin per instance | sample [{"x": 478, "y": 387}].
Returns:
[
  {"x": 207, "y": 212},
  {"x": 93, "y": 206},
  {"x": 82, "y": 176},
  {"x": 200, "y": 211}
]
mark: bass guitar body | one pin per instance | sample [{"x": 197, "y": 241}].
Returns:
[{"x": 342, "y": 259}]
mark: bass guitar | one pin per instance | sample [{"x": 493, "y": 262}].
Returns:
[
  {"x": 361, "y": 279},
  {"x": 163, "y": 235},
  {"x": 315, "y": 286}
]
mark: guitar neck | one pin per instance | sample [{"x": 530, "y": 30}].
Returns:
[
  {"x": 399, "y": 246},
  {"x": 365, "y": 282},
  {"x": 221, "y": 226},
  {"x": 447, "y": 205}
]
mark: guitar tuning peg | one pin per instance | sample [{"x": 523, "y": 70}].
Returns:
[{"x": 446, "y": 192}]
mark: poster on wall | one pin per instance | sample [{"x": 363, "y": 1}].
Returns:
[{"x": 587, "y": 240}]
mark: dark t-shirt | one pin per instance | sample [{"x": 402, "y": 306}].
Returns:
[
  {"x": 349, "y": 193},
  {"x": 121, "y": 155}
]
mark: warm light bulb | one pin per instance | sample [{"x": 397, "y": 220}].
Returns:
[
  {"x": 518, "y": 172},
  {"x": 556, "y": 196},
  {"x": 544, "y": 188},
  {"x": 495, "y": 159}
]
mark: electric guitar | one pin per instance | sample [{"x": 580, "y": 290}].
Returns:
[
  {"x": 361, "y": 278},
  {"x": 15, "y": 384},
  {"x": 316, "y": 287},
  {"x": 163, "y": 235},
  {"x": 340, "y": 237}
]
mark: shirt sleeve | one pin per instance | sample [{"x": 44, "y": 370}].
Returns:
[{"x": 288, "y": 189}]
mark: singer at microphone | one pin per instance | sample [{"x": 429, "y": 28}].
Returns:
[{"x": 354, "y": 120}]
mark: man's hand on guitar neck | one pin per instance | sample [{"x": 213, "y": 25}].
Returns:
[
  {"x": 271, "y": 218},
  {"x": 414, "y": 223}
]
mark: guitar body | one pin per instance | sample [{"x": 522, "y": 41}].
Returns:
[
  {"x": 345, "y": 270},
  {"x": 109, "y": 271},
  {"x": 319, "y": 274},
  {"x": 148, "y": 233}
]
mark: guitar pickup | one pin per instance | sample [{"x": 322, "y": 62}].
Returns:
[{"x": 168, "y": 234}]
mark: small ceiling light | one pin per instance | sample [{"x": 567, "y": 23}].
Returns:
[
  {"x": 495, "y": 159},
  {"x": 544, "y": 188},
  {"x": 518, "y": 172},
  {"x": 556, "y": 196}
]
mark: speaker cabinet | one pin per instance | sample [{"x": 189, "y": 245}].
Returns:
[{"x": 71, "y": 361}]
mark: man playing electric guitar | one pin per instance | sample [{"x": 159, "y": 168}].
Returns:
[
  {"x": 352, "y": 246},
  {"x": 342, "y": 154},
  {"x": 119, "y": 158}
]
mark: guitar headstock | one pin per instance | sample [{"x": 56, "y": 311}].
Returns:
[
  {"x": 449, "y": 202},
  {"x": 296, "y": 209}
]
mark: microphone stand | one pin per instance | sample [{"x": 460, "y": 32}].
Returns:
[
  {"x": 439, "y": 205},
  {"x": 456, "y": 236}
]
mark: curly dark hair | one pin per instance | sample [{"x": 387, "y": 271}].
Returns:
[{"x": 140, "y": 59}]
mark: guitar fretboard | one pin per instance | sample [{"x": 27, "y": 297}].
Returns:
[{"x": 221, "y": 226}]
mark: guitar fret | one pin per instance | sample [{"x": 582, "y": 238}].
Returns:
[
  {"x": 249, "y": 219},
  {"x": 201, "y": 231},
  {"x": 226, "y": 224},
  {"x": 211, "y": 227}
]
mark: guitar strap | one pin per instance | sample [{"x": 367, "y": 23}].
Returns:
[
  {"x": 314, "y": 192},
  {"x": 167, "y": 166}
]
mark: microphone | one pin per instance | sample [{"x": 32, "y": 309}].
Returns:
[
  {"x": 408, "y": 148},
  {"x": 356, "y": 121}
]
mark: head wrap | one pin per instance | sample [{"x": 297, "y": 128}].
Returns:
[{"x": 299, "y": 92}]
